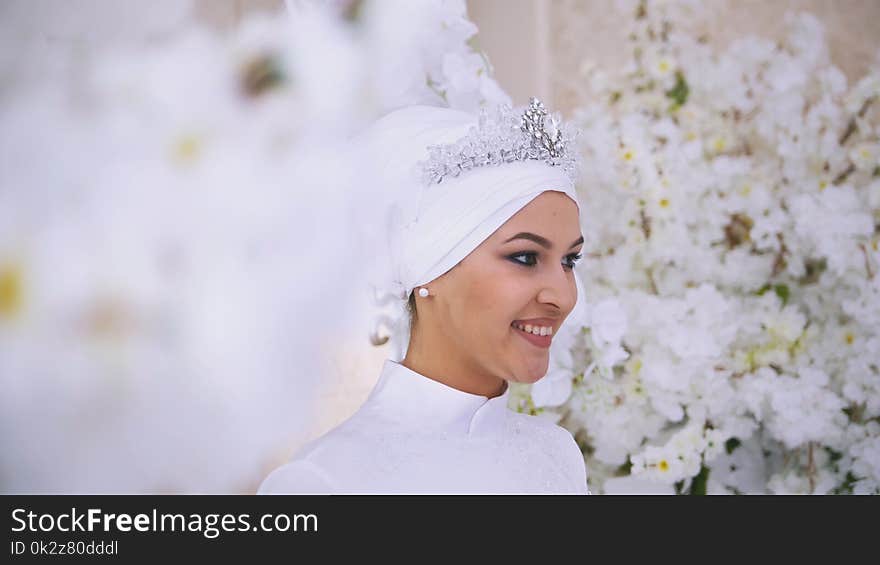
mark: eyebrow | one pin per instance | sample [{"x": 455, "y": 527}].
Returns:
[{"x": 543, "y": 242}]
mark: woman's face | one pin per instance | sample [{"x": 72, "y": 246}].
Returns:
[{"x": 521, "y": 275}]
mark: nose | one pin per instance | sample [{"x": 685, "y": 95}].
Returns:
[{"x": 558, "y": 288}]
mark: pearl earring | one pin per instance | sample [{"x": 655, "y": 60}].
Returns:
[{"x": 423, "y": 292}]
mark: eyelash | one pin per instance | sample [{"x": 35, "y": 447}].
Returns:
[{"x": 573, "y": 258}]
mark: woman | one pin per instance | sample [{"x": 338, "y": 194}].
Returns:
[{"x": 483, "y": 240}]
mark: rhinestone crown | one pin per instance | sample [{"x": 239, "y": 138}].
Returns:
[{"x": 503, "y": 135}]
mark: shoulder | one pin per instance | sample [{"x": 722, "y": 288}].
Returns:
[
  {"x": 323, "y": 464},
  {"x": 541, "y": 425},
  {"x": 308, "y": 471},
  {"x": 301, "y": 476}
]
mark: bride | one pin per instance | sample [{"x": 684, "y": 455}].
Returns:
[{"x": 483, "y": 239}]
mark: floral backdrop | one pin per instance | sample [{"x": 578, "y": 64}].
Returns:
[
  {"x": 181, "y": 225},
  {"x": 733, "y": 341}
]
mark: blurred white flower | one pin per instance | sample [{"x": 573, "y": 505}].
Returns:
[
  {"x": 187, "y": 259},
  {"x": 607, "y": 323},
  {"x": 866, "y": 156},
  {"x": 553, "y": 389}
]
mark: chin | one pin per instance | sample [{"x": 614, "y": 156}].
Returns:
[{"x": 533, "y": 374}]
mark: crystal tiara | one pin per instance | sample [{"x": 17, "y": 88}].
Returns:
[{"x": 504, "y": 135}]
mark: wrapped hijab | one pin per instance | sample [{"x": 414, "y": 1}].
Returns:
[{"x": 454, "y": 179}]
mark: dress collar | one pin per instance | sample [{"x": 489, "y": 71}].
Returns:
[{"x": 412, "y": 398}]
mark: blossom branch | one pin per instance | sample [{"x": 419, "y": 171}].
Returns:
[
  {"x": 811, "y": 467},
  {"x": 867, "y": 261},
  {"x": 852, "y": 125}
]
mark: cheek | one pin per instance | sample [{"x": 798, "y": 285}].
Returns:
[{"x": 498, "y": 303}]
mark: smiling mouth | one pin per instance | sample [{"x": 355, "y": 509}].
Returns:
[{"x": 542, "y": 341}]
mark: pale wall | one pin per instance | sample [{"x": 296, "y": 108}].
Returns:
[{"x": 588, "y": 29}]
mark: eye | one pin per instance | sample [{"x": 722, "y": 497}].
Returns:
[
  {"x": 569, "y": 264},
  {"x": 573, "y": 259},
  {"x": 530, "y": 255}
]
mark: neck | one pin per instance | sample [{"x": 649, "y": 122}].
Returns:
[{"x": 446, "y": 366}]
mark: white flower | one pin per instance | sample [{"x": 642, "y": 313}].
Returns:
[
  {"x": 607, "y": 323},
  {"x": 743, "y": 252},
  {"x": 803, "y": 411},
  {"x": 866, "y": 156},
  {"x": 553, "y": 389},
  {"x": 612, "y": 355}
]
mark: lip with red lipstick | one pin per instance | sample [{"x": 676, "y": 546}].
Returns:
[{"x": 542, "y": 341}]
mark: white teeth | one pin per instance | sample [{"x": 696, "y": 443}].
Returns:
[{"x": 536, "y": 330}]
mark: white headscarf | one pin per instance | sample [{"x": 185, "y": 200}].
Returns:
[{"x": 432, "y": 228}]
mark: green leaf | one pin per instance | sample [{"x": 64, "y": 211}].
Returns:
[
  {"x": 731, "y": 444},
  {"x": 679, "y": 92},
  {"x": 847, "y": 486},
  {"x": 698, "y": 484},
  {"x": 833, "y": 455},
  {"x": 782, "y": 292}
]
